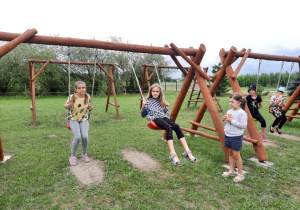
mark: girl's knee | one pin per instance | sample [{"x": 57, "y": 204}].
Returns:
[{"x": 77, "y": 138}]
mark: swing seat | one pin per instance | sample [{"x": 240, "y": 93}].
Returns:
[
  {"x": 153, "y": 126},
  {"x": 68, "y": 126}
]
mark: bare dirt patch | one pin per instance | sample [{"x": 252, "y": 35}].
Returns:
[
  {"x": 286, "y": 136},
  {"x": 141, "y": 160},
  {"x": 267, "y": 143},
  {"x": 88, "y": 173}
]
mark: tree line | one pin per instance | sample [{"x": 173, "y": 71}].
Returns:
[{"x": 14, "y": 68}]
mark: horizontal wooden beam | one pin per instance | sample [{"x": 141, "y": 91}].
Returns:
[
  {"x": 75, "y": 42},
  {"x": 71, "y": 62},
  {"x": 164, "y": 67},
  {"x": 201, "y": 133},
  {"x": 267, "y": 57}
]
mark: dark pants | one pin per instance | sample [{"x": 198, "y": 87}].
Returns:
[
  {"x": 260, "y": 118},
  {"x": 281, "y": 120},
  {"x": 169, "y": 125}
]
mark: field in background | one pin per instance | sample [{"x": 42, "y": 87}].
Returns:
[{"x": 37, "y": 176}]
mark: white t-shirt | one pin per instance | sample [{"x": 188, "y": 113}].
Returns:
[{"x": 238, "y": 123}]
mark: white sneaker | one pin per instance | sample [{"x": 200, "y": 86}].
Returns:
[{"x": 86, "y": 159}]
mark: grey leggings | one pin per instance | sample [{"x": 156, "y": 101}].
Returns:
[{"x": 80, "y": 130}]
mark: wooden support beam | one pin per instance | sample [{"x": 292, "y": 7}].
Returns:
[
  {"x": 202, "y": 126},
  {"x": 187, "y": 83},
  {"x": 68, "y": 41},
  {"x": 292, "y": 99},
  {"x": 40, "y": 70},
  {"x": 6, "y": 48},
  {"x": 268, "y": 57},
  {"x": 251, "y": 127},
  {"x": 187, "y": 59},
  {"x": 237, "y": 70},
  {"x": 103, "y": 69},
  {"x": 212, "y": 108},
  {"x": 215, "y": 85},
  {"x": 200, "y": 133},
  {"x": 293, "y": 116}
]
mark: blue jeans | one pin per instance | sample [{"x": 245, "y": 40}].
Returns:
[{"x": 80, "y": 130}]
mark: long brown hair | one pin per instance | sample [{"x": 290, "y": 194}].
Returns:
[
  {"x": 160, "y": 97},
  {"x": 239, "y": 97}
]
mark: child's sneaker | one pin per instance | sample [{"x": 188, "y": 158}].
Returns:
[
  {"x": 86, "y": 159},
  {"x": 263, "y": 137},
  {"x": 73, "y": 161}
]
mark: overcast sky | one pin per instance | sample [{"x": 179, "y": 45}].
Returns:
[{"x": 265, "y": 26}]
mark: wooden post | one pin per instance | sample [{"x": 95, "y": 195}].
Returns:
[
  {"x": 213, "y": 110},
  {"x": 1, "y": 151},
  {"x": 32, "y": 85},
  {"x": 186, "y": 83},
  {"x": 108, "y": 93},
  {"x": 258, "y": 147},
  {"x": 293, "y": 113},
  {"x": 111, "y": 69},
  {"x": 216, "y": 84},
  {"x": 290, "y": 102}
]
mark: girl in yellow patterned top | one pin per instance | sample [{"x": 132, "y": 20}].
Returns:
[{"x": 79, "y": 103}]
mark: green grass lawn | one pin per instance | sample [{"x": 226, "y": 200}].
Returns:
[{"x": 37, "y": 176}]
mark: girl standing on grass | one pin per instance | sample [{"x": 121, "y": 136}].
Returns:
[
  {"x": 235, "y": 122},
  {"x": 157, "y": 109},
  {"x": 78, "y": 120},
  {"x": 254, "y": 103}
]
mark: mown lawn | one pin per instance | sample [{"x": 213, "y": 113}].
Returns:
[{"x": 37, "y": 176}]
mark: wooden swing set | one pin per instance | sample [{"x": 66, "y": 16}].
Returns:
[
  {"x": 196, "y": 56},
  {"x": 34, "y": 74}
]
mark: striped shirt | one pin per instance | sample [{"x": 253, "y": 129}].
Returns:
[{"x": 154, "y": 108}]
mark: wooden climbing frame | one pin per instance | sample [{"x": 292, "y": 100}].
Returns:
[
  {"x": 289, "y": 103},
  {"x": 198, "y": 94}
]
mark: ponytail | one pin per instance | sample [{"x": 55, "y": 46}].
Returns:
[{"x": 239, "y": 97}]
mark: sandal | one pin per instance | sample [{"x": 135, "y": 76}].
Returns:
[
  {"x": 192, "y": 160},
  {"x": 175, "y": 162},
  {"x": 278, "y": 131},
  {"x": 272, "y": 131},
  {"x": 239, "y": 178},
  {"x": 228, "y": 173}
]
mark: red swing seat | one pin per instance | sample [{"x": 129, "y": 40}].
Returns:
[{"x": 153, "y": 126}]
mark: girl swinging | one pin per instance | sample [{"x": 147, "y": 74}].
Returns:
[{"x": 156, "y": 107}]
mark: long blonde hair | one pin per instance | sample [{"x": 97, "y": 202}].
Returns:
[{"x": 160, "y": 97}]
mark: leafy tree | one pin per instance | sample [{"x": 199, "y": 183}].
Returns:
[
  {"x": 294, "y": 85},
  {"x": 224, "y": 86}
]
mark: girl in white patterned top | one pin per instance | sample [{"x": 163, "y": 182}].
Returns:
[
  {"x": 156, "y": 107},
  {"x": 235, "y": 122}
]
